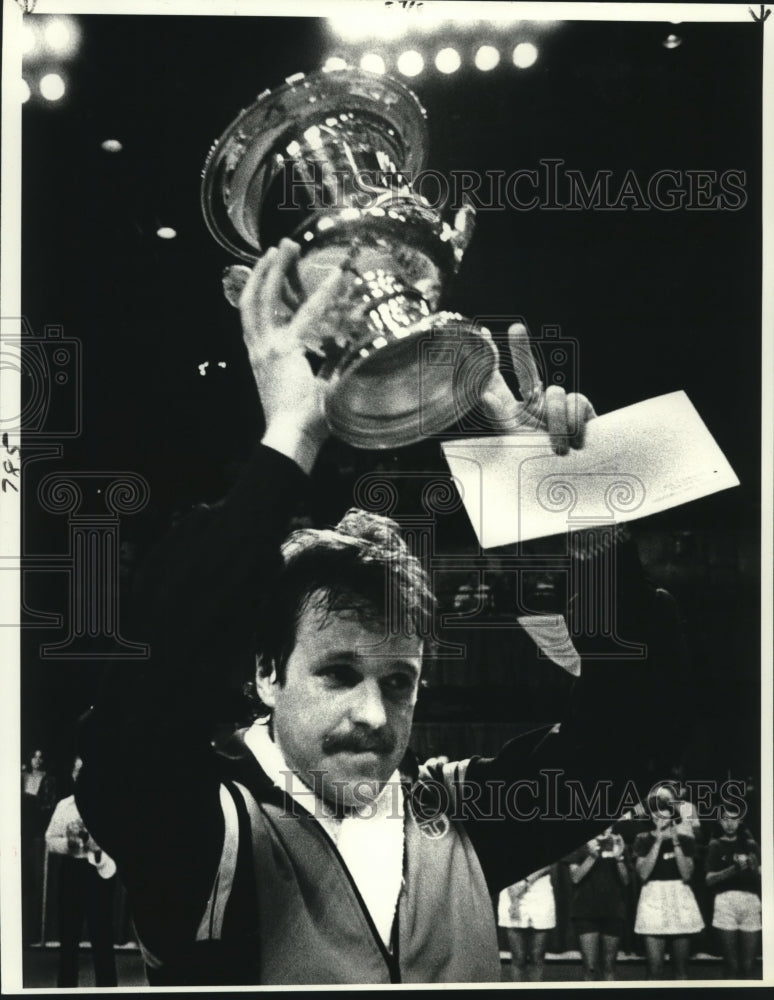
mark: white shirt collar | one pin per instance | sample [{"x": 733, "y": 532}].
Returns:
[{"x": 370, "y": 841}]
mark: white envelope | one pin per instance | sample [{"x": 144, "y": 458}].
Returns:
[{"x": 636, "y": 461}]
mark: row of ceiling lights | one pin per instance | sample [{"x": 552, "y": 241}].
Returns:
[{"x": 447, "y": 60}]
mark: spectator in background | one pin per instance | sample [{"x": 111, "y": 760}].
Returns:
[
  {"x": 600, "y": 875},
  {"x": 86, "y": 887},
  {"x": 667, "y": 910},
  {"x": 733, "y": 872},
  {"x": 686, "y": 810},
  {"x": 38, "y": 795},
  {"x": 39, "y": 791},
  {"x": 527, "y": 911}
]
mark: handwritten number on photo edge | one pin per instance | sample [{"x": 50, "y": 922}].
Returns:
[{"x": 11, "y": 449}]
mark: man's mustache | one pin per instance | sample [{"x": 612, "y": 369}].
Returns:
[{"x": 381, "y": 742}]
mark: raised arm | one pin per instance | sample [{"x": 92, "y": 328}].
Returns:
[
  {"x": 551, "y": 791},
  {"x": 149, "y": 789},
  {"x": 194, "y": 582},
  {"x": 619, "y": 729},
  {"x": 579, "y": 870}
]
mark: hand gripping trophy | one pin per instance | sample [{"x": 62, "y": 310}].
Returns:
[{"x": 348, "y": 143}]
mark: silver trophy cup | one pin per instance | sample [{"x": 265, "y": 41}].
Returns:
[{"x": 328, "y": 160}]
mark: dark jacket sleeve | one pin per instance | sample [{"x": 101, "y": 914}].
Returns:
[
  {"x": 550, "y": 791},
  {"x": 149, "y": 788}
]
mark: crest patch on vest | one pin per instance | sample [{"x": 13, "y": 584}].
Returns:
[{"x": 435, "y": 827}]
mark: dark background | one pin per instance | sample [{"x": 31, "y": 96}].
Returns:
[{"x": 657, "y": 301}]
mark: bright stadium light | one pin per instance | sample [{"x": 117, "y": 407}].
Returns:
[
  {"x": 524, "y": 55},
  {"x": 410, "y": 63},
  {"x": 335, "y": 62},
  {"x": 52, "y": 87},
  {"x": 487, "y": 57},
  {"x": 372, "y": 63},
  {"x": 166, "y": 233},
  {"x": 60, "y": 35},
  {"x": 448, "y": 61},
  {"x": 24, "y": 92}
]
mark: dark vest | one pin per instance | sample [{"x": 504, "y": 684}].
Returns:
[{"x": 285, "y": 911}]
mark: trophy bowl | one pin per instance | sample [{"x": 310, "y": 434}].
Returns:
[{"x": 328, "y": 160}]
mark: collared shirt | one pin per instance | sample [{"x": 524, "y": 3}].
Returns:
[{"x": 370, "y": 841}]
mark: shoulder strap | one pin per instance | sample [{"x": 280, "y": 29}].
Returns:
[{"x": 211, "y": 925}]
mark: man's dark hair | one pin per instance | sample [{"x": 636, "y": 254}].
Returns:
[{"x": 363, "y": 568}]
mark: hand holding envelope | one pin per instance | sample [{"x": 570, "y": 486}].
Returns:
[
  {"x": 571, "y": 471},
  {"x": 562, "y": 415}
]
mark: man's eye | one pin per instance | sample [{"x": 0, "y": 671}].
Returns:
[
  {"x": 400, "y": 682},
  {"x": 339, "y": 675}
]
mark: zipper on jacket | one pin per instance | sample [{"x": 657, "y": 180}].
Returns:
[
  {"x": 281, "y": 797},
  {"x": 390, "y": 960}
]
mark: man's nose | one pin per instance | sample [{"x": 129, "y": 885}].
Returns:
[{"x": 368, "y": 705}]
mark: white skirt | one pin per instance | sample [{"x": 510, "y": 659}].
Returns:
[
  {"x": 667, "y": 907},
  {"x": 534, "y": 909}
]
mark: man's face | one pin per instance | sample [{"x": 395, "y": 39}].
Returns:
[{"x": 346, "y": 706}]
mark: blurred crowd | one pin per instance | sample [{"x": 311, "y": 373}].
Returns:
[{"x": 662, "y": 883}]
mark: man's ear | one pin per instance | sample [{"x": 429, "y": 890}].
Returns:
[{"x": 266, "y": 681}]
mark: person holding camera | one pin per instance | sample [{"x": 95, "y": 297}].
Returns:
[
  {"x": 599, "y": 873},
  {"x": 38, "y": 798},
  {"x": 667, "y": 911},
  {"x": 733, "y": 872},
  {"x": 86, "y": 888}
]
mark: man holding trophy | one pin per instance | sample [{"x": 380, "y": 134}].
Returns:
[{"x": 310, "y": 847}]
